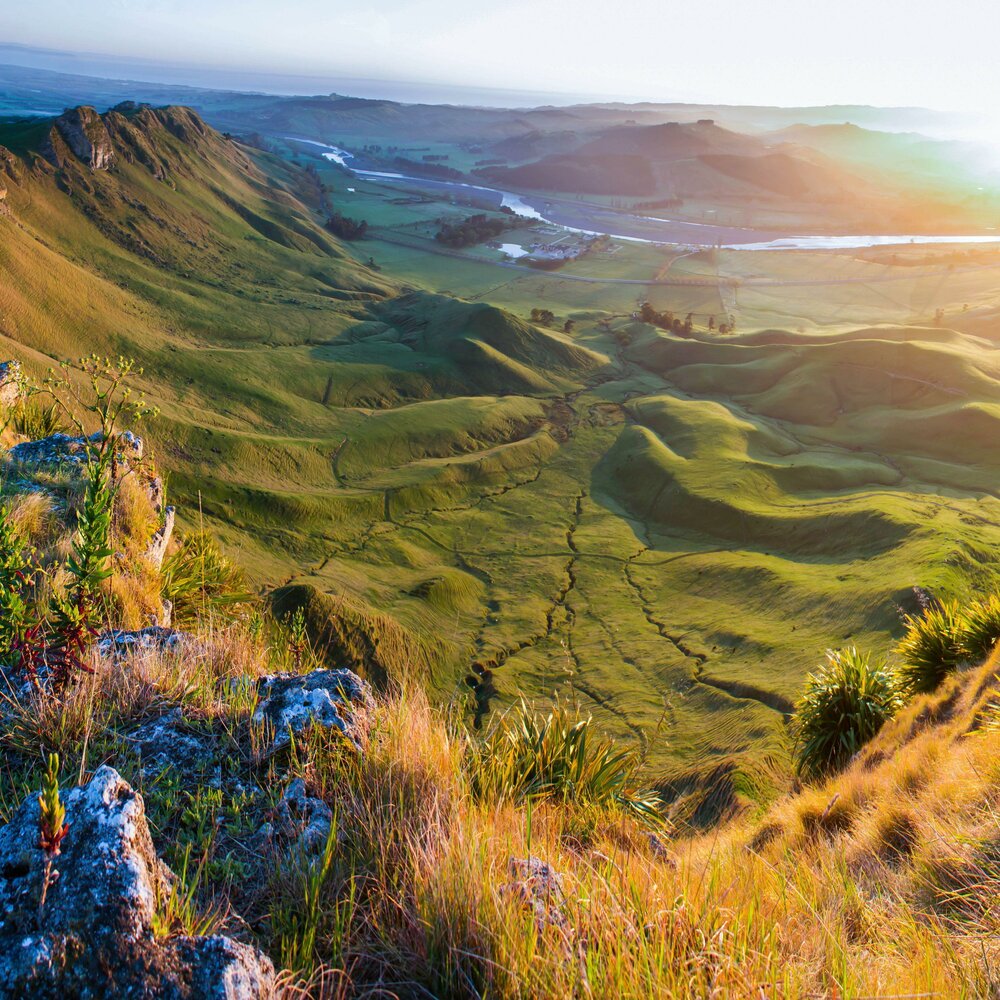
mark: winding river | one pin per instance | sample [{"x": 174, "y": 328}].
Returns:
[{"x": 637, "y": 228}]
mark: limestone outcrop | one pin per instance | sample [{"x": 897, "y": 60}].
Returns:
[
  {"x": 332, "y": 698},
  {"x": 95, "y": 934},
  {"x": 81, "y": 132}
]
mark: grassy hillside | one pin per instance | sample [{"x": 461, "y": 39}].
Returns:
[{"x": 662, "y": 529}]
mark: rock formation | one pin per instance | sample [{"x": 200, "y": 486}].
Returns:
[
  {"x": 331, "y": 698},
  {"x": 82, "y": 132},
  {"x": 94, "y": 936}
]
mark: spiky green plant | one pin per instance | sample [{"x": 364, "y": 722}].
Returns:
[
  {"x": 527, "y": 755},
  {"x": 178, "y": 910},
  {"x": 845, "y": 703},
  {"x": 199, "y": 578},
  {"x": 34, "y": 421},
  {"x": 980, "y": 628},
  {"x": 932, "y": 647}
]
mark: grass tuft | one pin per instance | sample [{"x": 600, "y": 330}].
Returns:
[
  {"x": 526, "y": 755},
  {"x": 846, "y": 702},
  {"x": 932, "y": 646}
]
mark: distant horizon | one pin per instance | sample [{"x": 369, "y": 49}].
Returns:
[
  {"x": 106, "y": 66},
  {"x": 897, "y": 53}
]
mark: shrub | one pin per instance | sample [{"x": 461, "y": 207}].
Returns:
[
  {"x": 846, "y": 702},
  {"x": 526, "y": 755},
  {"x": 932, "y": 646},
  {"x": 980, "y": 628}
]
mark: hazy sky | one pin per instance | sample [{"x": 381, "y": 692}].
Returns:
[{"x": 889, "y": 52}]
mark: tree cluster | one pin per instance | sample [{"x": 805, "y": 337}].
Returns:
[
  {"x": 471, "y": 230},
  {"x": 666, "y": 320},
  {"x": 347, "y": 229}
]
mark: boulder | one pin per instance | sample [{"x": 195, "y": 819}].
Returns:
[
  {"x": 331, "y": 698},
  {"x": 121, "y": 642},
  {"x": 169, "y": 742},
  {"x": 67, "y": 449},
  {"x": 540, "y": 887},
  {"x": 94, "y": 935}
]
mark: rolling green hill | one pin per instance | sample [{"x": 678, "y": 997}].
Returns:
[{"x": 667, "y": 529}]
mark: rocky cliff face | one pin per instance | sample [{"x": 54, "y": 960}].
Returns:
[{"x": 82, "y": 133}]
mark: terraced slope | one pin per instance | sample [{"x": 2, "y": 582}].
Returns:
[{"x": 668, "y": 530}]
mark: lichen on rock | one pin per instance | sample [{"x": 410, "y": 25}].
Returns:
[
  {"x": 330, "y": 698},
  {"x": 94, "y": 935}
]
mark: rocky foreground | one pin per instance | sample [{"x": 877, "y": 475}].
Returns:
[{"x": 96, "y": 934}]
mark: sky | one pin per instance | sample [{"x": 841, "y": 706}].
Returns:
[{"x": 788, "y": 52}]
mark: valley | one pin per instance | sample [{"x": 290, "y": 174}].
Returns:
[{"x": 664, "y": 528}]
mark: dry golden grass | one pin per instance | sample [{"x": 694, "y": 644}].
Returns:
[{"x": 880, "y": 882}]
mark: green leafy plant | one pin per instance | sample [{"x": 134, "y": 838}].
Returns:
[
  {"x": 52, "y": 825},
  {"x": 73, "y": 625},
  {"x": 16, "y": 579},
  {"x": 932, "y": 646},
  {"x": 298, "y": 636},
  {"x": 526, "y": 755},
  {"x": 845, "y": 703}
]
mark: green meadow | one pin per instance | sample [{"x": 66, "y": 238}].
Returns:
[{"x": 668, "y": 531}]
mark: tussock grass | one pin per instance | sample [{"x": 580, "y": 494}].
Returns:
[
  {"x": 846, "y": 888},
  {"x": 846, "y": 702},
  {"x": 931, "y": 647},
  {"x": 526, "y": 755}
]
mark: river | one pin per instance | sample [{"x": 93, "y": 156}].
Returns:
[{"x": 641, "y": 228}]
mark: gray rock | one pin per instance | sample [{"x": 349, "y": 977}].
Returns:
[
  {"x": 157, "y": 547},
  {"x": 67, "y": 449},
  {"x": 301, "y": 825},
  {"x": 84, "y": 132},
  {"x": 224, "y": 969},
  {"x": 331, "y": 698},
  {"x": 540, "y": 887},
  {"x": 167, "y": 742},
  {"x": 11, "y": 384},
  {"x": 120, "y": 642},
  {"x": 94, "y": 936}
]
